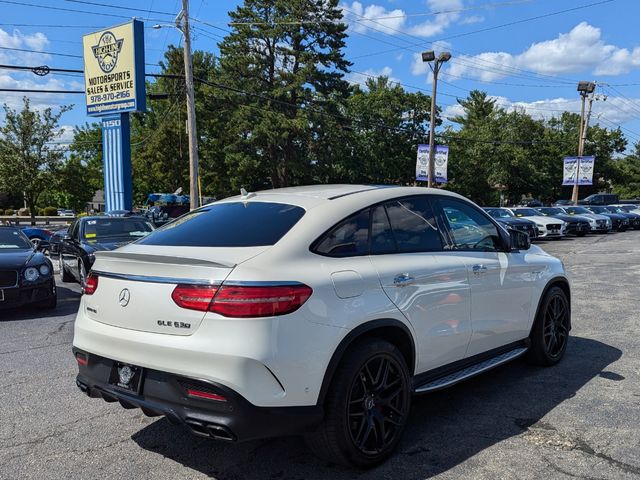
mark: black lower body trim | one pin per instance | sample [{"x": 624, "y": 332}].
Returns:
[{"x": 162, "y": 393}]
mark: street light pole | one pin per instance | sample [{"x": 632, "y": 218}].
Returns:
[
  {"x": 585, "y": 88},
  {"x": 194, "y": 173},
  {"x": 429, "y": 56}
]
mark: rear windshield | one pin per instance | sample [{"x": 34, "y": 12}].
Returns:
[{"x": 237, "y": 224}]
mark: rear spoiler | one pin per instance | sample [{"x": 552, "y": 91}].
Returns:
[{"x": 168, "y": 259}]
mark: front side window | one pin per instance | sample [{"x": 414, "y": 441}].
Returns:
[
  {"x": 470, "y": 229},
  {"x": 348, "y": 238}
]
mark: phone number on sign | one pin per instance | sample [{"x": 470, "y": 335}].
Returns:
[{"x": 105, "y": 97}]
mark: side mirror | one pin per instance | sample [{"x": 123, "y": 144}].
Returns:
[
  {"x": 66, "y": 238},
  {"x": 519, "y": 240},
  {"x": 43, "y": 245}
]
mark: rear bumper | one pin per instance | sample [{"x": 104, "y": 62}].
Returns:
[
  {"x": 24, "y": 295},
  {"x": 163, "y": 393}
]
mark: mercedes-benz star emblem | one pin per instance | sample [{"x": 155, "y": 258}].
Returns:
[
  {"x": 124, "y": 297},
  {"x": 125, "y": 374}
]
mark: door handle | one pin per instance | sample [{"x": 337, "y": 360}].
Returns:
[
  {"x": 403, "y": 279},
  {"x": 479, "y": 269}
]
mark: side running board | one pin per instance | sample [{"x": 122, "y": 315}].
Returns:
[{"x": 470, "y": 371}]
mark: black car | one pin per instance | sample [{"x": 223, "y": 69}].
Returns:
[
  {"x": 619, "y": 222},
  {"x": 634, "y": 218},
  {"x": 55, "y": 240},
  {"x": 89, "y": 235},
  {"x": 576, "y": 225},
  {"x": 26, "y": 274},
  {"x": 506, "y": 218}
]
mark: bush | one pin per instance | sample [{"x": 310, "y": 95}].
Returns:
[
  {"x": 41, "y": 212},
  {"x": 82, "y": 214},
  {"x": 9, "y": 211},
  {"x": 50, "y": 211}
]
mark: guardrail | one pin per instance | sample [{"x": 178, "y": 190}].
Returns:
[{"x": 17, "y": 220}]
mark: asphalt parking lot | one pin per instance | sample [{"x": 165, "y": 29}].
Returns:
[{"x": 579, "y": 419}]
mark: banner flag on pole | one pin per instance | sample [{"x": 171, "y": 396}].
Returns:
[
  {"x": 578, "y": 170},
  {"x": 441, "y": 155}
]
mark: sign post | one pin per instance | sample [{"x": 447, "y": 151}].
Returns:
[
  {"x": 114, "y": 87},
  {"x": 441, "y": 159},
  {"x": 578, "y": 170}
]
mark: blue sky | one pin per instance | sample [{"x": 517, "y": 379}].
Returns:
[{"x": 532, "y": 64}]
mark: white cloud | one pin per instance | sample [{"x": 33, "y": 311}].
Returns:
[
  {"x": 441, "y": 21},
  {"x": 391, "y": 21},
  {"x": 579, "y": 50},
  {"x": 361, "y": 78},
  {"x": 36, "y": 41},
  {"x": 39, "y": 101},
  {"x": 471, "y": 20},
  {"x": 374, "y": 17},
  {"x": 614, "y": 110}
]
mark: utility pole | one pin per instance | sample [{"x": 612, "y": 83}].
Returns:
[
  {"x": 429, "y": 56},
  {"x": 586, "y": 89},
  {"x": 191, "y": 109}
]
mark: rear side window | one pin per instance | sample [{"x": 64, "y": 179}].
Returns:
[
  {"x": 414, "y": 225},
  {"x": 237, "y": 224},
  {"x": 349, "y": 238}
]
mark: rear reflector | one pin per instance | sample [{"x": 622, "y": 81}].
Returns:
[
  {"x": 91, "y": 284},
  {"x": 207, "y": 395},
  {"x": 242, "y": 301},
  {"x": 82, "y": 359}
]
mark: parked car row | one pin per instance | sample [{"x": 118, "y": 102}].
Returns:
[{"x": 557, "y": 222}]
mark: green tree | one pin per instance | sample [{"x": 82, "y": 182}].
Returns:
[
  {"x": 28, "y": 159},
  {"x": 284, "y": 61}
]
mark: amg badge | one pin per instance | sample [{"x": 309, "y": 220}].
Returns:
[{"x": 169, "y": 323}]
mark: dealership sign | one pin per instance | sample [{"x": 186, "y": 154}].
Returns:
[
  {"x": 578, "y": 170},
  {"x": 441, "y": 155},
  {"x": 114, "y": 70}
]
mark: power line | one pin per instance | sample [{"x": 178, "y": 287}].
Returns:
[
  {"x": 36, "y": 90},
  {"x": 40, "y": 52},
  {"x": 62, "y": 9},
  {"x": 97, "y": 4}
]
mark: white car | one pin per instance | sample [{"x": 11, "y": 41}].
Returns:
[
  {"x": 315, "y": 310},
  {"x": 548, "y": 227}
]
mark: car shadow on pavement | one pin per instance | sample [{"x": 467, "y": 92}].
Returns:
[
  {"x": 445, "y": 428},
  {"x": 68, "y": 301}
]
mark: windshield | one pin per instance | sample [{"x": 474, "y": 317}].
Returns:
[
  {"x": 499, "y": 213},
  {"x": 550, "y": 211},
  {"x": 574, "y": 210},
  {"x": 231, "y": 224},
  {"x": 11, "y": 239},
  {"x": 116, "y": 227},
  {"x": 628, "y": 208},
  {"x": 525, "y": 212},
  {"x": 599, "y": 210}
]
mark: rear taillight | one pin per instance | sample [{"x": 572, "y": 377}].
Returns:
[
  {"x": 194, "y": 297},
  {"x": 243, "y": 301},
  {"x": 91, "y": 284}
]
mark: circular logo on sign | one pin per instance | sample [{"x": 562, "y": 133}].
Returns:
[{"x": 107, "y": 50}]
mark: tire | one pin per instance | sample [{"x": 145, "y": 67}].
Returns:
[
  {"x": 581, "y": 234},
  {"x": 36, "y": 241},
  {"x": 64, "y": 275},
  {"x": 375, "y": 373},
  {"x": 82, "y": 272},
  {"x": 52, "y": 302},
  {"x": 550, "y": 332}
]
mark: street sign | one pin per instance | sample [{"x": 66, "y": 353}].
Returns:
[
  {"x": 441, "y": 157},
  {"x": 578, "y": 170},
  {"x": 114, "y": 69}
]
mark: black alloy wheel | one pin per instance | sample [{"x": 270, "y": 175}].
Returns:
[
  {"x": 376, "y": 410},
  {"x": 366, "y": 406},
  {"x": 556, "y": 325},
  {"x": 550, "y": 333}
]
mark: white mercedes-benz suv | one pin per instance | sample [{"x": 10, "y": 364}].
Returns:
[{"x": 315, "y": 310}]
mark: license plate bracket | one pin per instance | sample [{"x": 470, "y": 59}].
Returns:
[{"x": 126, "y": 377}]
